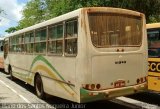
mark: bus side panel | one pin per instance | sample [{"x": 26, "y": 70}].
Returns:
[
  {"x": 1, "y": 61},
  {"x": 57, "y": 73},
  {"x": 20, "y": 67},
  {"x": 65, "y": 86}
]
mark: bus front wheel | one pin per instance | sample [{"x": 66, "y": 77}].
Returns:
[{"x": 39, "y": 87}]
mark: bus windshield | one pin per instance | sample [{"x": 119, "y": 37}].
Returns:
[
  {"x": 113, "y": 30},
  {"x": 1, "y": 44},
  {"x": 153, "y": 42}
]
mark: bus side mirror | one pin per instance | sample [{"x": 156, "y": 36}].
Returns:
[{"x": 1, "y": 48}]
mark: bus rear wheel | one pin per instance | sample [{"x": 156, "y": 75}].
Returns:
[{"x": 39, "y": 87}]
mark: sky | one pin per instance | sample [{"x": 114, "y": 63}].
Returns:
[{"x": 12, "y": 13}]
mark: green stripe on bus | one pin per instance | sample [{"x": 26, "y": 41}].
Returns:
[{"x": 41, "y": 58}]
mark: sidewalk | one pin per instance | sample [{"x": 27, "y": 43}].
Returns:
[{"x": 9, "y": 95}]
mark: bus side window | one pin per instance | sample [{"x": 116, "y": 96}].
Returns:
[
  {"x": 29, "y": 42},
  {"x": 56, "y": 39},
  {"x": 40, "y": 40},
  {"x": 13, "y": 43},
  {"x": 71, "y": 37},
  {"x": 20, "y": 44}
]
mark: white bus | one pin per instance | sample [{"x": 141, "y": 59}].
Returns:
[
  {"x": 1, "y": 54},
  {"x": 86, "y": 55}
]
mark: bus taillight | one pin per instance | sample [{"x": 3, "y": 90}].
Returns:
[
  {"x": 91, "y": 86},
  {"x": 87, "y": 86}
]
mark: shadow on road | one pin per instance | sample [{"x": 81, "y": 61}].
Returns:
[
  {"x": 104, "y": 104},
  {"x": 148, "y": 97}
]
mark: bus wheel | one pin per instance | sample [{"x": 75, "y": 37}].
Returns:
[
  {"x": 10, "y": 72},
  {"x": 39, "y": 87}
]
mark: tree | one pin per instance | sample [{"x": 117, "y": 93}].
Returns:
[
  {"x": 151, "y": 8},
  {"x": 58, "y": 7},
  {"x": 33, "y": 13},
  {"x": 11, "y": 30}
]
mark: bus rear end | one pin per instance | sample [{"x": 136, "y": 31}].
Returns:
[
  {"x": 153, "y": 33},
  {"x": 117, "y": 54}
]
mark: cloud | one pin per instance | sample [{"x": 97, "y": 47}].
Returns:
[
  {"x": 4, "y": 22},
  {"x": 12, "y": 11}
]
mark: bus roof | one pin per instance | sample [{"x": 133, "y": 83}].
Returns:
[
  {"x": 73, "y": 14},
  {"x": 153, "y": 25}
]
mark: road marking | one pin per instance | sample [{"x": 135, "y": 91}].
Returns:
[
  {"x": 25, "y": 99},
  {"x": 141, "y": 104}
]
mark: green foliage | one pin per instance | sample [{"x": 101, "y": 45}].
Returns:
[
  {"x": 155, "y": 18},
  {"x": 57, "y": 7},
  {"x": 151, "y": 8},
  {"x": 11, "y": 30},
  {"x": 33, "y": 13},
  {"x": 37, "y": 11}
]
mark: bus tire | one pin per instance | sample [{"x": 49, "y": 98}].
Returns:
[
  {"x": 11, "y": 74},
  {"x": 39, "y": 87}
]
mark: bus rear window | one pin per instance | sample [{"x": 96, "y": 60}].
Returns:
[{"x": 111, "y": 29}]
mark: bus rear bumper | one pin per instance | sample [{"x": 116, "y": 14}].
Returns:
[{"x": 88, "y": 95}]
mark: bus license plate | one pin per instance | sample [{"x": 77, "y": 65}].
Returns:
[{"x": 119, "y": 84}]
